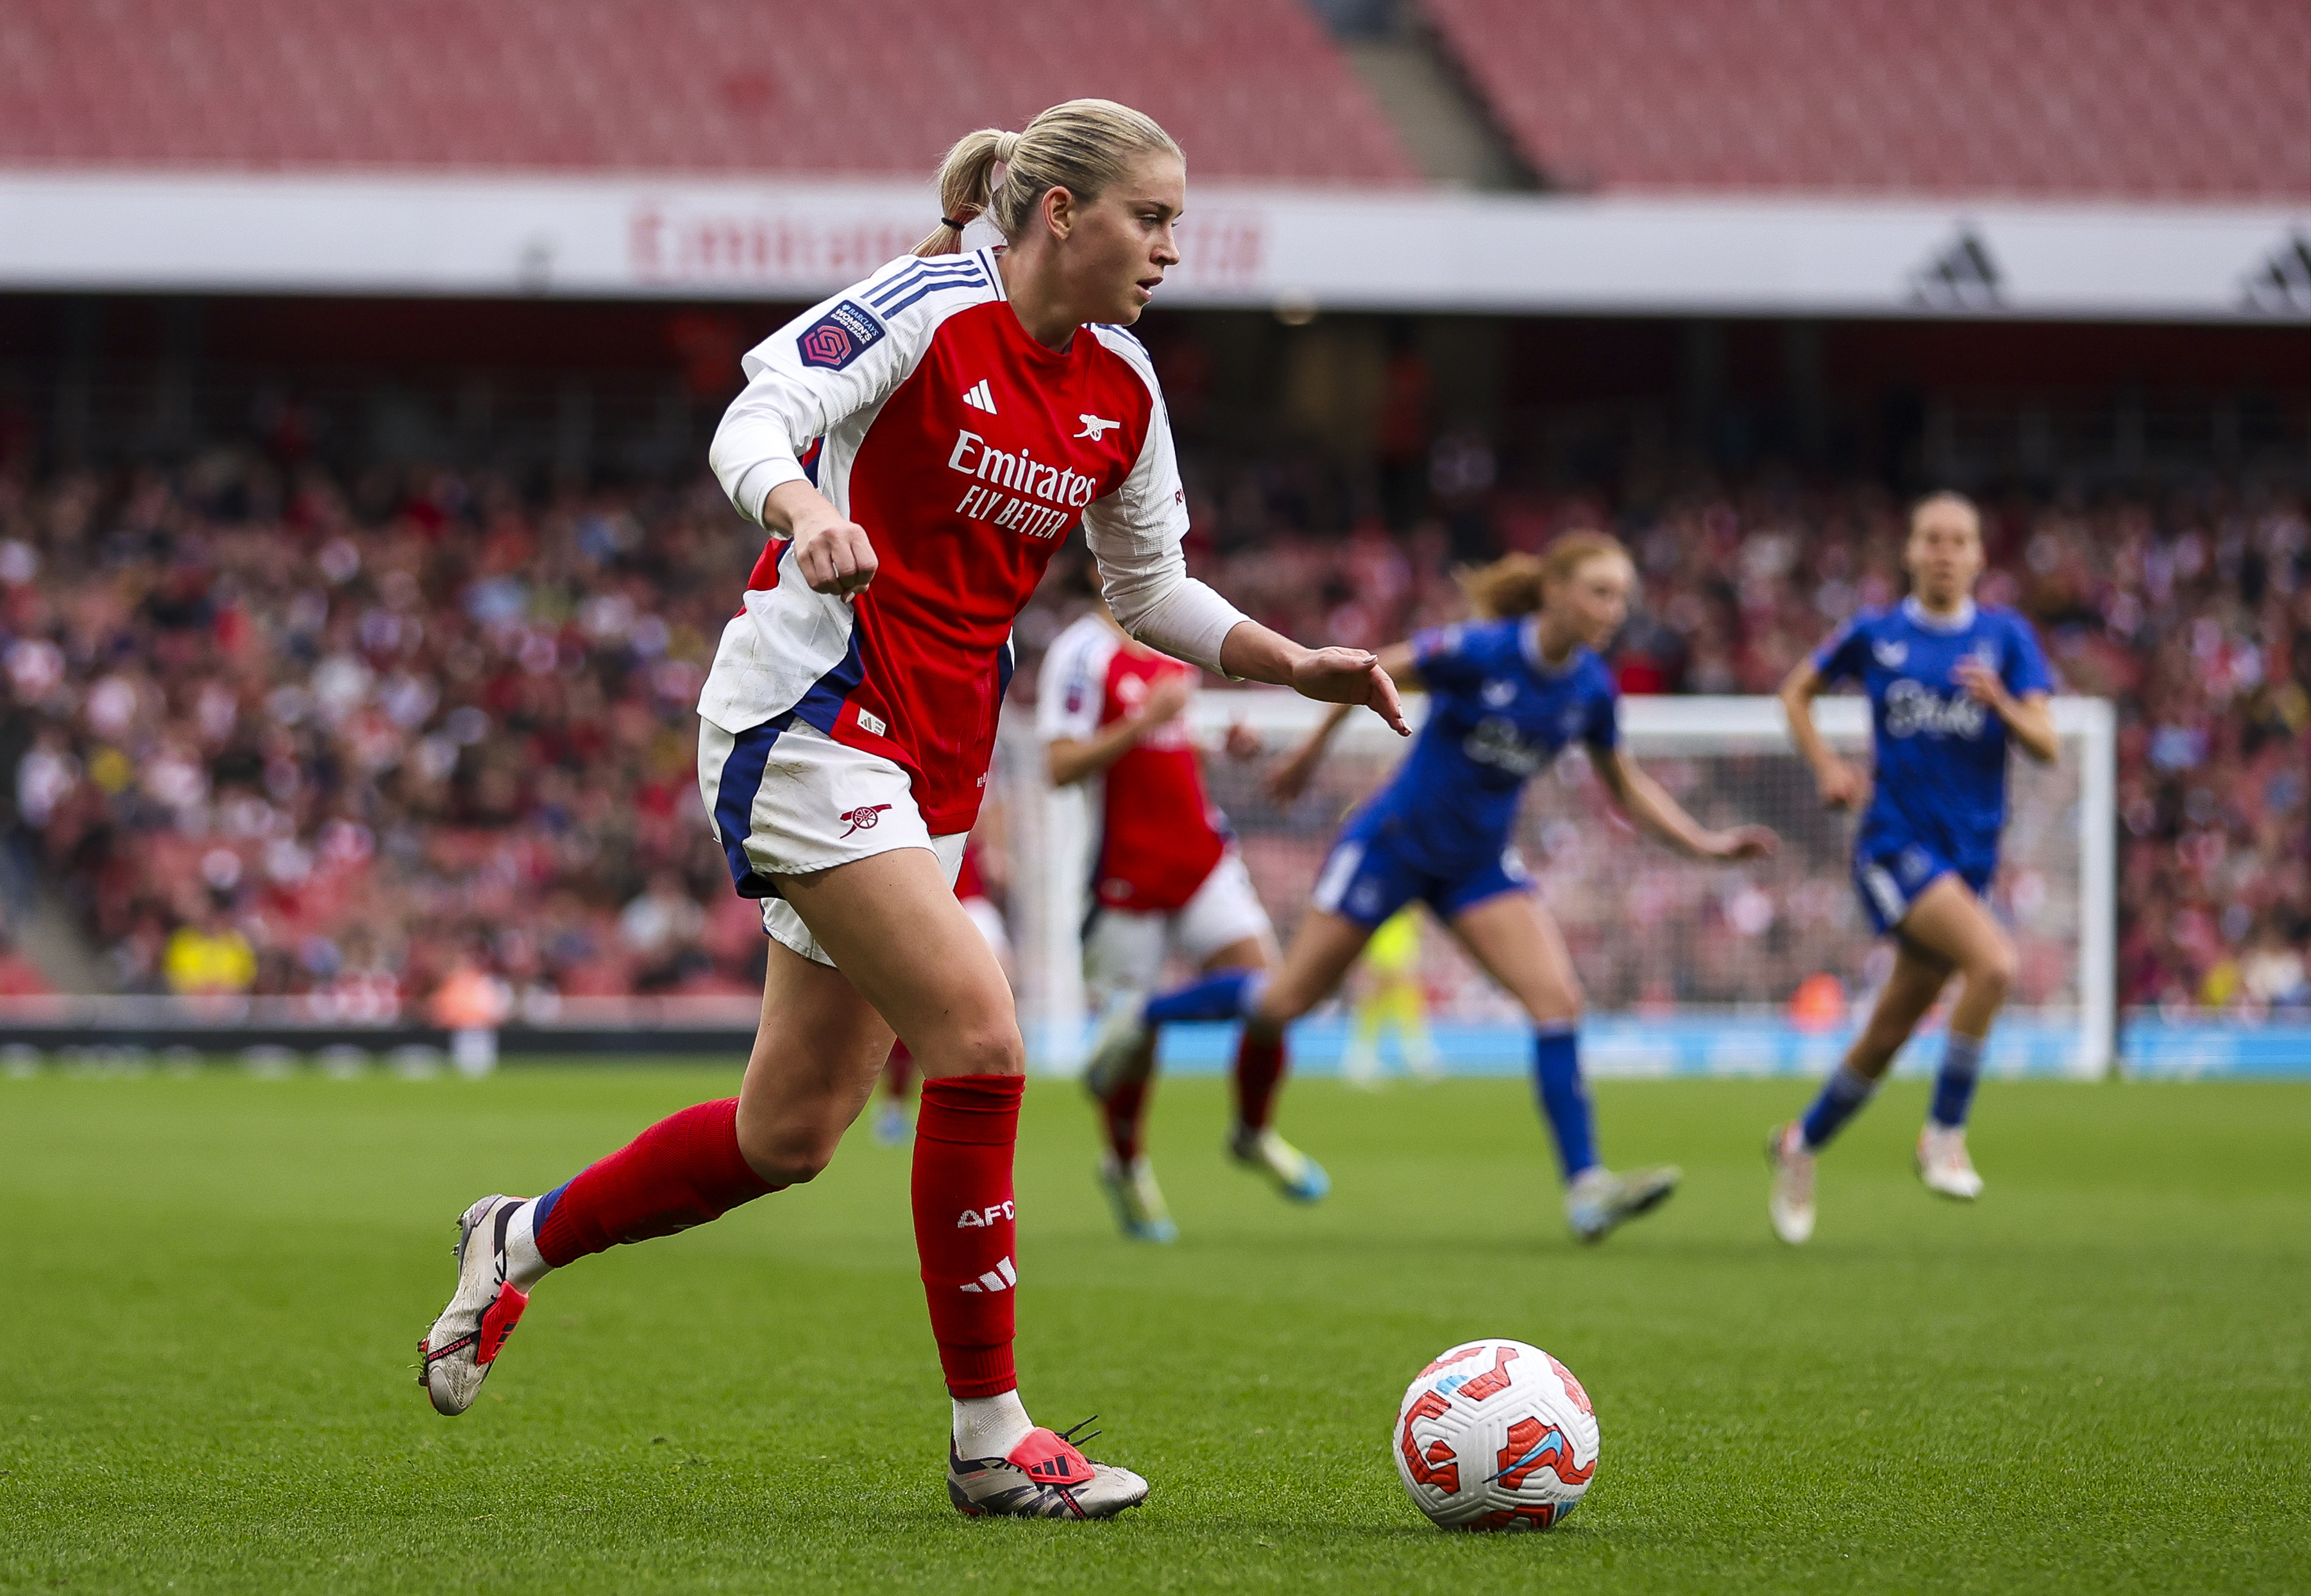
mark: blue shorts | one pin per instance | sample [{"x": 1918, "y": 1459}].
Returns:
[
  {"x": 1888, "y": 879},
  {"x": 1365, "y": 879}
]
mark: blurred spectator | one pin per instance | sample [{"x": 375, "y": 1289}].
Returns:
[
  {"x": 470, "y": 998},
  {"x": 19, "y": 977},
  {"x": 209, "y": 956},
  {"x": 660, "y": 928}
]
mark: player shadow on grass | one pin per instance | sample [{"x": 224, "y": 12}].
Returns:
[
  {"x": 1265, "y": 1533},
  {"x": 1430, "y": 1250}
]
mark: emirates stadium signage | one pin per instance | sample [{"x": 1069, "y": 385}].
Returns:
[{"x": 793, "y": 240}]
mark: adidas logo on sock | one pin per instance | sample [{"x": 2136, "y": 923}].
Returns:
[
  {"x": 1001, "y": 1278},
  {"x": 977, "y": 396}
]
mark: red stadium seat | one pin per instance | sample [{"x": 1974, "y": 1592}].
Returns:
[
  {"x": 1252, "y": 89},
  {"x": 2108, "y": 99}
]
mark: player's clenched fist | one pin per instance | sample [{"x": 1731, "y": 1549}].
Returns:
[
  {"x": 830, "y": 549},
  {"x": 1841, "y": 786},
  {"x": 833, "y": 555}
]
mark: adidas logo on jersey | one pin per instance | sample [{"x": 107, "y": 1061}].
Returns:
[{"x": 977, "y": 396}]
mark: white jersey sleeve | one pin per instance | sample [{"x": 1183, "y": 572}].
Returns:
[
  {"x": 1134, "y": 533},
  {"x": 1071, "y": 690},
  {"x": 840, "y": 359}
]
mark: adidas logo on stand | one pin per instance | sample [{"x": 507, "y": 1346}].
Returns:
[
  {"x": 2282, "y": 284},
  {"x": 1959, "y": 276},
  {"x": 977, "y": 396}
]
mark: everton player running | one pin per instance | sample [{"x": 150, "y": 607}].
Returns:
[
  {"x": 1951, "y": 682},
  {"x": 1165, "y": 878},
  {"x": 972, "y": 407},
  {"x": 1507, "y": 693}
]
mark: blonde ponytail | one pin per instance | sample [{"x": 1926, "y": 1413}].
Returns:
[
  {"x": 1508, "y": 587},
  {"x": 966, "y": 178},
  {"x": 1516, "y": 585},
  {"x": 1083, "y": 146}
]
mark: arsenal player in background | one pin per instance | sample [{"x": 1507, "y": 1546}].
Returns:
[
  {"x": 970, "y": 408},
  {"x": 1163, "y": 878}
]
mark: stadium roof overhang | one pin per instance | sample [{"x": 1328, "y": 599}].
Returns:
[{"x": 1246, "y": 247}]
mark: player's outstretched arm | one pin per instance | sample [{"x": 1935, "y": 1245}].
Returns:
[
  {"x": 1349, "y": 676},
  {"x": 1841, "y": 786},
  {"x": 1648, "y": 803},
  {"x": 1289, "y": 777}
]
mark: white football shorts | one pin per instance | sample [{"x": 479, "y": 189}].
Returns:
[
  {"x": 786, "y": 799},
  {"x": 1124, "y": 950}
]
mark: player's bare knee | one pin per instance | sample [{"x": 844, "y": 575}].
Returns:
[
  {"x": 990, "y": 1047},
  {"x": 1281, "y": 1001},
  {"x": 1552, "y": 1004},
  {"x": 1992, "y": 972},
  {"x": 784, "y": 1151},
  {"x": 1275, "y": 1010}
]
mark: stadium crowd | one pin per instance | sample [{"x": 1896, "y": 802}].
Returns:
[
  {"x": 267, "y": 743},
  {"x": 415, "y": 739}
]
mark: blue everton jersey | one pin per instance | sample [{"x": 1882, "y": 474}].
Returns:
[
  {"x": 1940, "y": 754},
  {"x": 1497, "y": 714}
]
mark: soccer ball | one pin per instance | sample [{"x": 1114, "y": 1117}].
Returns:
[{"x": 1495, "y": 1435}]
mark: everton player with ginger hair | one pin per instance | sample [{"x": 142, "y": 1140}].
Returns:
[
  {"x": 970, "y": 408},
  {"x": 1165, "y": 878},
  {"x": 1507, "y": 693},
  {"x": 1951, "y": 683}
]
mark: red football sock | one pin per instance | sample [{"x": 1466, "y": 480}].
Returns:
[
  {"x": 964, "y": 1226},
  {"x": 683, "y": 1171},
  {"x": 1258, "y": 1066},
  {"x": 898, "y": 1072},
  {"x": 1126, "y": 1104},
  {"x": 1122, "y": 1108}
]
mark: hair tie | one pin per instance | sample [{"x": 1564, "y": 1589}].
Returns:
[{"x": 952, "y": 222}]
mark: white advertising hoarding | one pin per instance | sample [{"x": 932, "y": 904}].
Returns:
[{"x": 791, "y": 240}]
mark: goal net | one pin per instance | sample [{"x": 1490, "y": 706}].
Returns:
[{"x": 1690, "y": 967}]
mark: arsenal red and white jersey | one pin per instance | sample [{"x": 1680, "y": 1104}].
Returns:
[
  {"x": 968, "y": 451},
  {"x": 1156, "y": 833}
]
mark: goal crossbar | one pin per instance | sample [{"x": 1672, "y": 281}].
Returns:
[{"x": 1049, "y": 838}]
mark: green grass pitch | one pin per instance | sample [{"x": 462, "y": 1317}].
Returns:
[{"x": 2097, "y": 1379}]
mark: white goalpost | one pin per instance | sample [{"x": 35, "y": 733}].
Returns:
[{"x": 1690, "y": 968}]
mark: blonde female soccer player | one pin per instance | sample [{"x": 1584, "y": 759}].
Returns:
[
  {"x": 1507, "y": 693},
  {"x": 971, "y": 408},
  {"x": 1951, "y": 683}
]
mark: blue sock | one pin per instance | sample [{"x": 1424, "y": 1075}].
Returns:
[
  {"x": 1954, "y": 1087},
  {"x": 1557, "y": 1075},
  {"x": 1842, "y": 1098},
  {"x": 1228, "y": 994}
]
